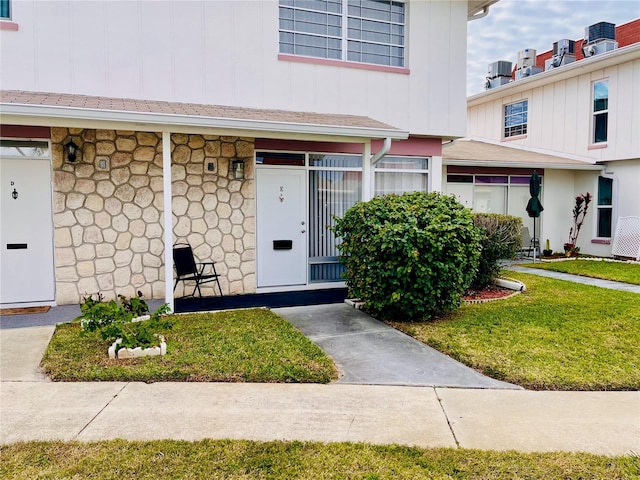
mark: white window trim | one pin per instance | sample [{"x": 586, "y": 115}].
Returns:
[
  {"x": 592, "y": 138},
  {"x": 504, "y": 120},
  {"x": 613, "y": 207}
]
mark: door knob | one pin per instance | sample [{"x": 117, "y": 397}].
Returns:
[{"x": 302, "y": 231}]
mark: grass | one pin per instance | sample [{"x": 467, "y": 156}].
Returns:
[
  {"x": 234, "y": 346},
  {"x": 555, "y": 336},
  {"x": 616, "y": 271},
  {"x": 229, "y": 459}
]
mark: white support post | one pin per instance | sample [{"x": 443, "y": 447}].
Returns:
[
  {"x": 435, "y": 174},
  {"x": 367, "y": 172},
  {"x": 168, "y": 219}
]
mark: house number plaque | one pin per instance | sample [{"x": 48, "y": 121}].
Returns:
[{"x": 281, "y": 197}]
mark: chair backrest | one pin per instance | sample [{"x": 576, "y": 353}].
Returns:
[{"x": 183, "y": 259}]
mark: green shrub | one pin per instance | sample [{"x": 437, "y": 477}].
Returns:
[
  {"x": 114, "y": 320},
  {"x": 408, "y": 256},
  {"x": 502, "y": 240}
]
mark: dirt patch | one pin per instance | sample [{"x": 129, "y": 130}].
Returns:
[{"x": 487, "y": 294}]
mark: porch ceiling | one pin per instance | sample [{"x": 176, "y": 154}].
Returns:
[
  {"x": 83, "y": 111},
  {"x": 470, "y": 152}
]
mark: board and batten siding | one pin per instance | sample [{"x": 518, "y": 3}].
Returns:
[
  {"x": 559, "y": 116},
  {"x": 226, "y": 53}
]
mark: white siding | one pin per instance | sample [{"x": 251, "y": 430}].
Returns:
[
  {"x": 560, "y": 114},
  {"x": 226, "y": 52}
]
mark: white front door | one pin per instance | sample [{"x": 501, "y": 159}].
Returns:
[
  {"x": 26, "y": 231},
  {"x": 282, "y": 231}
]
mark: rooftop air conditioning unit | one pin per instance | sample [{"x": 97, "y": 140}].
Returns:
[
  {"x": 600, "y": 31},
  {"x": 501, "y": 68},
  {"x": 564, "y": 46},
  {"x": 527, "y": 72},
  {"x": 526, "y": 58},
  {"x": 499, "y": 73},
  {"x": 599, "y": 38},
  {"x": 563, "y": 53}
]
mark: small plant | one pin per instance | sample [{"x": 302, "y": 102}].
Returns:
[
  {"x": 579, "y": 213},
  {"x": 114, "y": 320},
  {"x": 547, "y": 252},
  {"x": 502, "y": 240}
]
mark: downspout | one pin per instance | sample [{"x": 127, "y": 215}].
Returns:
[
  {"x": 386, "y": 146},
  {"x": 478, "y": 16}
]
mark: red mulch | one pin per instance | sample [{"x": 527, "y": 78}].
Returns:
[{"x": 487, "y": 293}]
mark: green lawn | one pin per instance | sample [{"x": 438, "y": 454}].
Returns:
[
  {"x": 229, "y": 459},
  {"x": 555, "y": 336},
  {"x": 234, "y": 346},
  {"x": 616, "y": 271}
]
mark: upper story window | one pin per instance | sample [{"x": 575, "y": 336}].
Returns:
[
  {"x": 515, "y": 118},
  {"x": 5, "y": 9},
  {"x": 600, "y": 111},
  {"x": 364, "y": 31}
]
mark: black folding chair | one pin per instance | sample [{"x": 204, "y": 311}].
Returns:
[{"x": 188, "y": 270}]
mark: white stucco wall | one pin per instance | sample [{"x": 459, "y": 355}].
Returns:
[{"x": 226, "y": 52}]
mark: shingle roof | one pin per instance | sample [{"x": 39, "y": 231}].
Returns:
[
  {"x": 484, "y": 153},
  {"x": 157, "y": 107}
]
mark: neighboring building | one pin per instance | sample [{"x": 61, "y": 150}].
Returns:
[
  {"x": 577, "y": 124},
  {"x": 245, "y": 125}
]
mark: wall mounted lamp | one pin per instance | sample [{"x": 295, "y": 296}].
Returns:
[
  {"x": 71, "y": 151},
  {"x": 237, "y": 167}
]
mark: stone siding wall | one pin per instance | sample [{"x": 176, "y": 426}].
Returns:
[
  {"x": 214, "y": 212},
  {"x": 108, "y": 211}
]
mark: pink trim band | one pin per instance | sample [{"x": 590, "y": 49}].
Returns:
[
  {"x": 601, "y": 241},
  {"x": 413, "y": 146},
  {"x": 341, "y": 63},
  {"x": 516, "y": 137},
  {"x": 24, "y": 131},
  {"x": 8, "y": 25},
  {"x": 597, "y": 147}
]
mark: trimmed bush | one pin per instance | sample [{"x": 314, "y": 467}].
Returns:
[
  {"x": 502, "y": 240},
  {"x": 409, "y": 256}
]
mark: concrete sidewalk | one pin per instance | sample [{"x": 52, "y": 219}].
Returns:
[
  {"x": 33, "y": 408},
  {"x": 488, "y": 416},
  {"x": 597, "y": 422}
]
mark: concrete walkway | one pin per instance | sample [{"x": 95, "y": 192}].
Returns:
[
  {"x": 596, "y": 282},
  {"x": 369, "y": 352}
]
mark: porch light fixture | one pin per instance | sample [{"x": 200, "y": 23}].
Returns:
[
  {"x": 237, "y": 167},
  {"x": 71, "y": 151}
]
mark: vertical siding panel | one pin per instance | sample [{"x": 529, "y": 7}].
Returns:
[{"x": 571, "y": 111}]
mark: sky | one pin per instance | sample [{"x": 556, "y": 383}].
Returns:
[{"x": 513, "y": 25}]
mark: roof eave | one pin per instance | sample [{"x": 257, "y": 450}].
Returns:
[{"x": 27, "y": 114}]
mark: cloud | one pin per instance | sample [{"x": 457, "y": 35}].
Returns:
[{"x": 513, "y": 25}]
